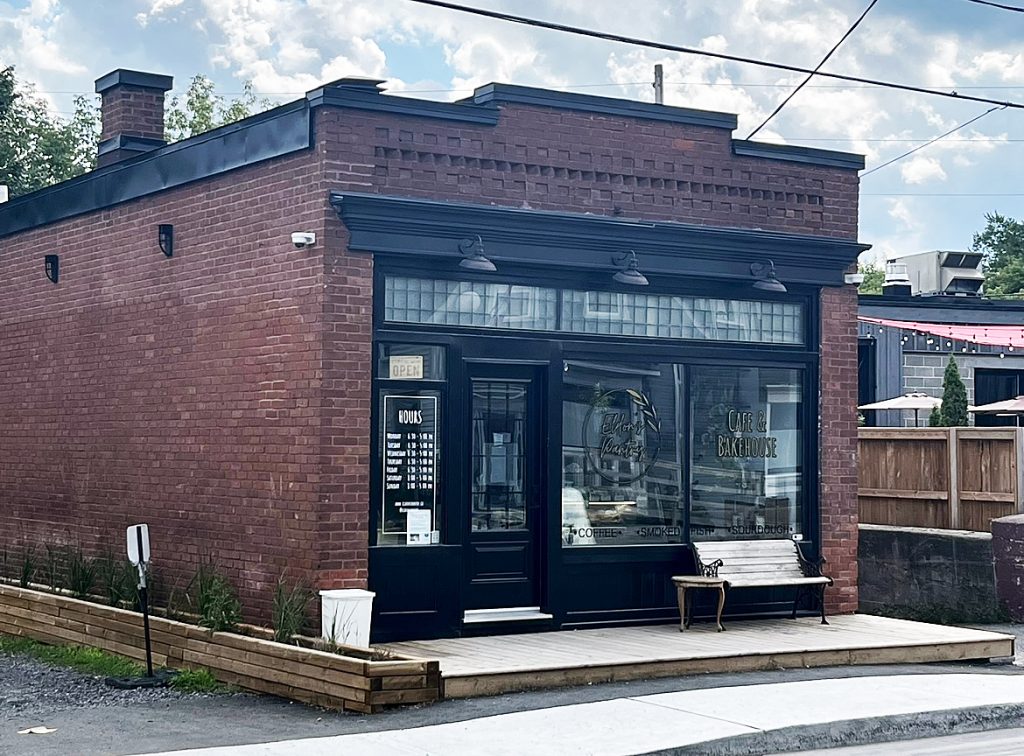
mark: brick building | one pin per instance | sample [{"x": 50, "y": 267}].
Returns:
[{"x": 539, "y": 342}]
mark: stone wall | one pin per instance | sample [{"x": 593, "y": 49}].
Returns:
[
  {"x": 928, "y": 574},
  {"x": 1008, "y": 546}
]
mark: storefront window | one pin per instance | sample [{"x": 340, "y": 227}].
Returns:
[
  {"x": 682, "y": 317},
  {"x": 601, "y": 313},
  {"x": 620, "y": 460},
  {"x": 410, "y": 455},
  {"x": 469, "y": 303},
  {"x": 747, "y": 453}
]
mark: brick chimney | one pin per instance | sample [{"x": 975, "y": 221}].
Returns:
[{"x": 132, "y": 112}]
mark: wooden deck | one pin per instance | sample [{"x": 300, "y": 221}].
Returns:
[{"x": 503, "y": 663}]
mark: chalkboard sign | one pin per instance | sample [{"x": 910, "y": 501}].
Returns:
[{"x": 410, "y": 459}]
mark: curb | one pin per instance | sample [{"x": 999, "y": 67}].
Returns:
[{"x": 851, "y": 732}]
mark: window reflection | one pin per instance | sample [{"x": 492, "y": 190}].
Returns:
[
  {"x": 747, "y": 458},
  {"x": 620, "y": 463}
]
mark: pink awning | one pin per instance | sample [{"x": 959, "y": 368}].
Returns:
[{"x": 990, "y": 335}]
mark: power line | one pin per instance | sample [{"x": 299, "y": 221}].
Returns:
[
  {"x": 998, "y": 5},
  {"x": 693, "y": 51},
  {"x": 817, "y": 68},
  {"x": 931, "y": 141}
]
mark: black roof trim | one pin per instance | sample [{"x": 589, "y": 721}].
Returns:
[
  {"x": 124, "y": 142},
  {"x": 940, "y": 302},
  {"x": 344, "y": 95},
  {"x": 796, "y": 154},
  {"x": 134, "y": 79},
  {"x": 430, "y": 228},
  {"x": 268, "y": 135},
  {"x": 492, "y": 94}
]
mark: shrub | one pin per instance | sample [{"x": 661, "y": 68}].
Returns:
[
  {"x": 28, "y": 566},
  {"x": 214, "y": 600},
  {"x": 289, "y": 609},
  {"x": 80, "y": 571},
  {"x": 117, "y": 579},
  {"x": 954, "y": 397},
  {"x": 54, "y": 567}
]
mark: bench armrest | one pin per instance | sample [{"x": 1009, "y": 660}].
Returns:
[
  {"x": 709, "y": 569},
  {"x": 810, "y": 567}
]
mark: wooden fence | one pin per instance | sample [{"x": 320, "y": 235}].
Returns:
[{"x": 959, "y": 478}]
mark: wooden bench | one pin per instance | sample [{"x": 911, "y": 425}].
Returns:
[{"x": 762, "y": 564}]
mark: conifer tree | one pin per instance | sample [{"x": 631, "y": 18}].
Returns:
[
  {"x": 954, "y": 397},
  {"x": 935, "y": 417}
]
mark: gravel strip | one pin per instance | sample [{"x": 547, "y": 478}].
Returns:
[{"x": 28, "y": 685}]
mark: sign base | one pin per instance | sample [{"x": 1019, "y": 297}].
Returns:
[{"x": 159, "y": 679}]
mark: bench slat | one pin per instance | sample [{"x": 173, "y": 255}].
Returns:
[{"x": 744, "y": 583}]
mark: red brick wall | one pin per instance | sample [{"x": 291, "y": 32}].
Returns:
[
  {"x": 184, "y": 392},
  {"x": 838, "y": 457},
  {"x": 552, "y": 160},
  {"x": 224, "y": 395}
]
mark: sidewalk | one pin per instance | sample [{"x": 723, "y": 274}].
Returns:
[{"x": 811, "y": 712}]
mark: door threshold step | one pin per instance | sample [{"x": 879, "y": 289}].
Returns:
[{"x": 505, "y": 614}]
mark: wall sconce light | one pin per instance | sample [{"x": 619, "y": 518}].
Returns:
[
  {"x": 629, "y": 270},
  {"x": 165, "y": 238},
  {"x": 473, "y": 257},
  {"x": 52, "y": 267},
  {"x": 766, "y": 278}
]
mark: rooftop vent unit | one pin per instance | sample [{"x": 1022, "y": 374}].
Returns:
[
  {"x": 897, "y": 282},
  {"x": 944, "y": 273}
]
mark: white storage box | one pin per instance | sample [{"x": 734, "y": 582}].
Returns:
[{"x": 345, "y": 616}]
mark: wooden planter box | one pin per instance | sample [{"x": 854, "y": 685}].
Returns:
[{"x": 353, "y": 682}]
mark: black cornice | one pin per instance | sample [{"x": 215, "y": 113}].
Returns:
[
  {"x": 280, "y": 131},
  {"x": 426, "y": 228}
]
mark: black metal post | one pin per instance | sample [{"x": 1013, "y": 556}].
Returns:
[{"x": 144, "y": 602}]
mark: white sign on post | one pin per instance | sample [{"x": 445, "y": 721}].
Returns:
[{"x": 138, "y": 544}]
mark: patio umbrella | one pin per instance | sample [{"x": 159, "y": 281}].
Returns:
[
  {"x": 1005, "y": 407},
  {"x": 913, "y": 401}
]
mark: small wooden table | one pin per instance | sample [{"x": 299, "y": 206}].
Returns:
[{"x": 697, "y": 582}]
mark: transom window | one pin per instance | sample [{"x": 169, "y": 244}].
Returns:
[{"x": 537, "y": 308}]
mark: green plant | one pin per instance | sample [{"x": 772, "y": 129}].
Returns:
[
  {"x": 197, "y": 681},
  {"x": 213, "y": 599},
  {"x": 954, "y": 397},
  {"x": 117, "y": 579},
  {"x": 91, "y": 661},
  {"x": 54, "y": 568},
  {"x": 935, "y": 417},
  {"x": 289, "y": 609},
  {"x": 81, "y": 572},
  {"x": 28, "y": 566}
]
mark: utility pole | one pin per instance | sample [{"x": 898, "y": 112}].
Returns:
[{"x": 659, "y": 84}]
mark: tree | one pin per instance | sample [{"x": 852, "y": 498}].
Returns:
[
  {"x": 935, "y": 417},
  {"x": 203, "y": 109},
  {"x": 954, "y": 397},
  {"x": 1002, "y": 244},
  {"x": 37, "y": 149},
  {"x": 874, "y": 277}
]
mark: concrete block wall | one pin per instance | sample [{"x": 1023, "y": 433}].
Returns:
[
  {"x": 923, "y": 372},
  {"x": 928, "y": 574}
]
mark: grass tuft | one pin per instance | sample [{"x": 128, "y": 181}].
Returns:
[
  {"x": 197, "y": 681},
  {"x": 90, "y": 661}
]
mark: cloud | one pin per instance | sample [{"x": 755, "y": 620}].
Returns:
[
  {"x": 921, "y": 169},
  {"x": 33, "y": 39},
  {"x": 156, "y": 8}
]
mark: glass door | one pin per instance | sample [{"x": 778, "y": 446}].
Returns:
[{"x": 504, "y": 488}]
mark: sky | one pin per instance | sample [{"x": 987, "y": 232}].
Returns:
[{"x": 934, "y": 199}]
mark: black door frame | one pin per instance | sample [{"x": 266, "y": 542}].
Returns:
[{"x": 531, "y": 375}]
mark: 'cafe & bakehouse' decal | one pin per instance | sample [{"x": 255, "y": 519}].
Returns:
[{"x": 740, "y": 441}]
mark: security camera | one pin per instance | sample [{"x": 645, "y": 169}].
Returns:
[{"x": 302, "y": 239}]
